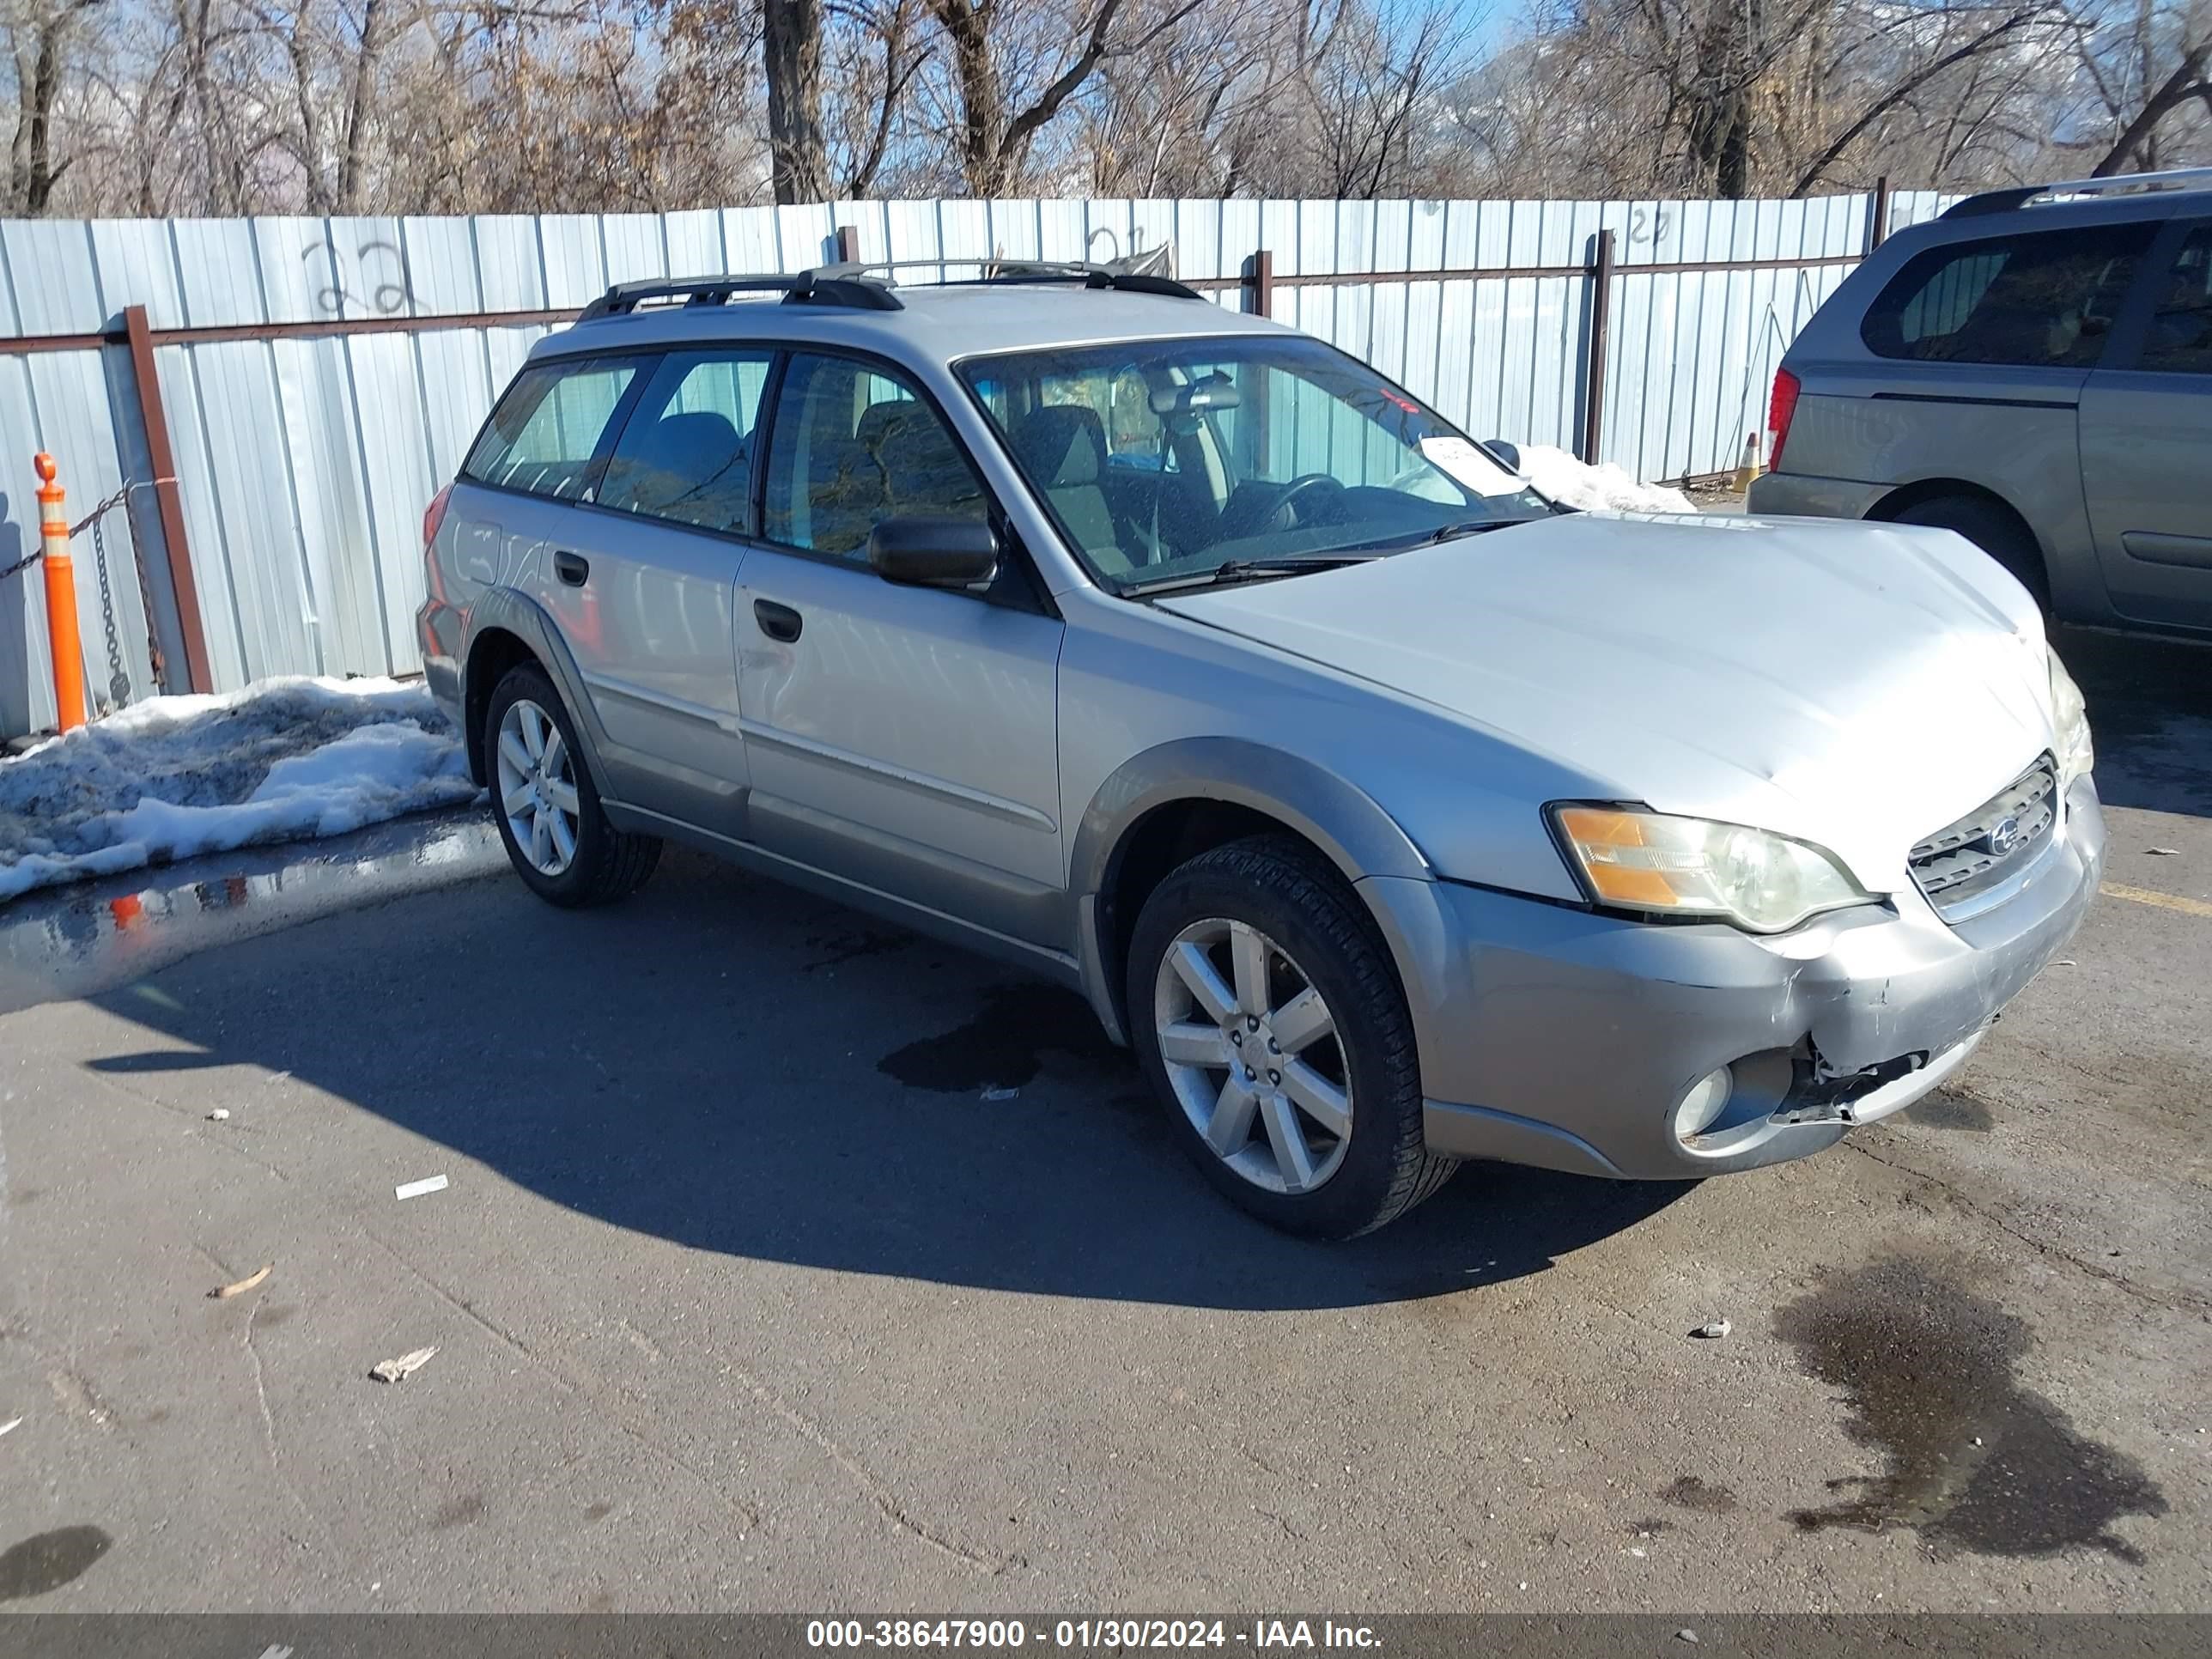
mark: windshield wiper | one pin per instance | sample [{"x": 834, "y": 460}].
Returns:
[
  {"x": 1240, "y": 570},
  {"x": 1445, "y": 533}
]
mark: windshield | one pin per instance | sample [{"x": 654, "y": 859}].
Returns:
[{"x": 1163, "y": 459}]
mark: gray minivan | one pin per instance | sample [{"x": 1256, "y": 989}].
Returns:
[{"x": 2033, "y": 370}]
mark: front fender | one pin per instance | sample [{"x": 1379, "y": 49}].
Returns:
[{"x": 1348, "y": 825}]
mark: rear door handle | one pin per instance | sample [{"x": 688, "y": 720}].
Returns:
[
  {"x": 778, "y": 621},
  {"x": 571, "y": 569}
]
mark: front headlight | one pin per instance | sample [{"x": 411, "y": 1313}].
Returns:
[
  {"x": 2069, "y": 725},
  {"x": 1673, "y": 866}
]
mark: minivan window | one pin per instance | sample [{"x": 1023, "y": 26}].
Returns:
[
  {"x": 2179, "y": 339},
  {"x": 686, "y": 451},
  {"x": 2044, "y": 300},
  {"x": 546, "y": 431},
  {"x": 852, "y": 446}
]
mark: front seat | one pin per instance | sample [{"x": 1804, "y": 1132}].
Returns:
[{"x": 1062, "y": 448}]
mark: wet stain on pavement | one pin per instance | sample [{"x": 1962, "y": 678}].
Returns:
[
  {"x": 1686, "y": 1491},
  {"x": 1973, "y": 1461},
  {"x": 1003, "y": 1046},
  {"x": 597, "y": 1511},
  {"x": 1944, "y": 1110},
  {"x": 49, "y": 1560},
  {"x": 459, "y": 1513}
]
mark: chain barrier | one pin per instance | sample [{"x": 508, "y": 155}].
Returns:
[{"x": 118, "y": 678}]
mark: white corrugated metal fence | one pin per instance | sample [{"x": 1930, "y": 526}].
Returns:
[{"x": 303, "y": 461}]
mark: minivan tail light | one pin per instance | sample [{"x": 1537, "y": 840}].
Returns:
[
  {"x": 434, "y": 514},
  {"x": 1779, "y": 410}
]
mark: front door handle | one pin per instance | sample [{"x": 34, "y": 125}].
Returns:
[
  {"x": 778, "y": 621},
  {"x": 571, "y": 569}
]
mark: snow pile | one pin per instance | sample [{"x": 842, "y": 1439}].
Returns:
[
  {"x": 285, "y": 759},
  {"x": 1601, "y": 489}
]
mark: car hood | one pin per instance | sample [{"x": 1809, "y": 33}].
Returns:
[{"x": 1855, "y": 685}]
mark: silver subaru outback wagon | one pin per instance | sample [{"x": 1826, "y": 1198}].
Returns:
[{"x": 1394, "y": 816}]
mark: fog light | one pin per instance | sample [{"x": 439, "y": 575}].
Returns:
[{"x": 1705, "y": 1103}]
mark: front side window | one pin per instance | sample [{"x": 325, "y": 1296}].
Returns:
[
  {"x": 854, "y": 446},
  {"x": 545, "y": 437},
  {"x": 2044, "y": 300},
  {"x": 2179, "y": 340},
  {"x": 686, "y": 452},
  {"x": 1165, "y": 458}
]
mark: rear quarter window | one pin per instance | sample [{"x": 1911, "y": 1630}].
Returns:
[
  {"x": 2045, "y": 298},
  {"x": 546, "y": 435}
]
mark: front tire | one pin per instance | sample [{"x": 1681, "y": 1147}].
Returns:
[
  {"x": 1267, "y": 1016},
  {"x": 556, "y": 832}
]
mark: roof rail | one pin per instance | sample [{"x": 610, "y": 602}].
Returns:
[
  {"x": 1000, "y": 268},
  {"x": 832, "y": 285},
  {"x": 2004, "y": 201}
]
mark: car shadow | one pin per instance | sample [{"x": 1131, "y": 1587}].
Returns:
[
  {"x": 2150, "y": 710},
  {"x": 735, "y": 1067}
]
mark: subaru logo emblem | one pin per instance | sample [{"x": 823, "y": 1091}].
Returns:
[{"x": 2005, "y": 837}]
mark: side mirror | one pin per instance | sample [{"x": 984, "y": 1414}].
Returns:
[
  {"x": 926, "y": 550},
  {"x": 1505, "y": 455}
]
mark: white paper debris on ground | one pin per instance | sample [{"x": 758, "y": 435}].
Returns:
[
  {"x": 1713, "y": 1330},
  {"x": 11, "y": 1425},
  {"x": 221, "y": 1115},
  {"x": 1001, "y": 1094},
  {"x": 286, "y": 759},
  {"x": 416, "y": 1188},
  {"x": 1603, "y": 488},
  {"x": 2163, "y": 852},
  {"x": 396, "y": 1370}
]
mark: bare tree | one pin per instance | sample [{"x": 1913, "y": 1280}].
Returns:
[
  {"x": 41, "y": 36},
  {"x": 791, "y": 58}
]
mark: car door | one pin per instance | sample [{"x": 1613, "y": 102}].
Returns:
[
  {"x": 651, "y": 573},
  {"x": 2146, "y": 434},
  {"x": 900, "y": 738}
]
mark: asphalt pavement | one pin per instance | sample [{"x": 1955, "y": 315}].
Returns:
[{"x": 751, "y": 1287}]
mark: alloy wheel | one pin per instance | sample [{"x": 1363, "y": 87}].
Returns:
[
  {"x": 537, "y": 787},
  {"x": 1253, "y": 1055}
]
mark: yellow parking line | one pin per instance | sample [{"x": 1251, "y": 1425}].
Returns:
[{"x": 2187, "y": 907}]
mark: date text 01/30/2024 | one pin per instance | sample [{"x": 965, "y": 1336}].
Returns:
[{"x": 1006, "y": 1635}]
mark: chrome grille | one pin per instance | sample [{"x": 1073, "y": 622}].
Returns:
[{"x": 2001, "y": 836}]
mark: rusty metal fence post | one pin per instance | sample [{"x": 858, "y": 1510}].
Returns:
[
  {"x": 1595, "y": 343},
  {"x": 162, "y": 459},
  {"x": 1878, "y": 215},
  {"x": 1259, "y": 284}
]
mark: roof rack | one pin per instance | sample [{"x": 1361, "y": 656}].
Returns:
[
  {"x": 832, "y": 285},
  {"x": 2004, "y": 201},
  {"x": 1000, "y": 268}
]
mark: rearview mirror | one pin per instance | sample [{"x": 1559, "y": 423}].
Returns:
[
  {"x": 1216, "y": 391},
  {"x": 928, "y": 550}
]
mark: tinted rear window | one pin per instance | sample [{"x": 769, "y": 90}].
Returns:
[
  {"x": 2045, "y": 299},
  {"x": 2180, "y": 337}
]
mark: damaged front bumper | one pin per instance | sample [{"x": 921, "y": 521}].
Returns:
[{"x": 1554, "y": 1037}]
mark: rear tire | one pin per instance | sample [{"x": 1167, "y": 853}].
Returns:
[
  {"x": 1303, "y": 1001},
  {"x": 1993, "y": 530},
  {"x": 556, "y": 832}
]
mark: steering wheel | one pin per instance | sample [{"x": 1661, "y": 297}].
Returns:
[{"x": 1282, "y": 513}]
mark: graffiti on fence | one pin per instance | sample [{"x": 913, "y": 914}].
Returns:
[{"x": 380, "y": 272}]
